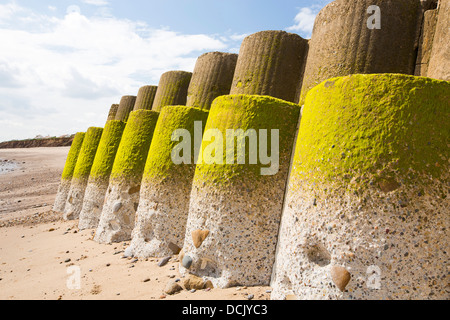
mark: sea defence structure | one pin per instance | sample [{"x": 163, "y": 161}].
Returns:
[
  {"x": 81, "y": 173},
  {"x": 125, "y": 107},
  {"x": 347, "y": 40},
  {"x": 426, "y": 43},
  {"x": 166, "y": 184},
  {"x": 69, "y": 167},
  {"x": 366, "y": 213},
  {"x": 112, "y": 112},
  {"x": 237, "y": 193},
  {"x": 145, "y": 98},
  {"x": 172, "y": 89},
  {"x": 88, "y": 205},
  {"x": 212, "y": 77},
  {"x": 271, "y": 63},
  {"x": 99, "y": 175},
  {"x": 122, "y": 197},
  {"x": 439, "y": 60}
]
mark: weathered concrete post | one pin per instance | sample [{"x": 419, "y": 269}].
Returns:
[
  {"x": 99, "y": 176},
  {"x": 145, "y": 98},
  {"x": 237, "y": 193},
  {"x": 66, "y": 179},
  {"x": 172, "y": 89},
  {"x": 271, "y": 63},
  {"x": 122, "y": 197},
  {"x": 81, "y": 173},
  {"x": 439, "y": 65},
  {"x": 366, "y": 214},
  {"x": 113, "y": 112},
  {"x": 125, "y": 107},
  {"x": 346, "y": 40},
  {"x": 166, "y": 185},
  {"x": 426, "y": 42},
  {"x": 212, "y": 77}
]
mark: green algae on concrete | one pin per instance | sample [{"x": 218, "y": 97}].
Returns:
[
  {"x": 71, "y": 161},
  {"x": 167, "y": 182},
  {"x": 232, "y": 201},
  {"x": 248, "y": 112},
  {"x": 97, "y": 186},
  {"x": 81, "y": 173},
  {"x": 72, "y": 157},
  {"x": 87, "y": 153},
  {"x": 159, "y": 163},
  {"x": 133, "y": 150},
  {"x": 368, "y": 192},
  {"x": 117, "y": 218},
  {"x": 376, "y": 127},
  {"x": 107, "y": 149}
]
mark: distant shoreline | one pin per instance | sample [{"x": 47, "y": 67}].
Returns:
[{"x": 37, "y": 143}]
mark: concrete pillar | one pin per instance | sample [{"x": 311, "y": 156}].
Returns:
[
  {"x": 366, "y": 213},
  {"x": 113, "y": 112},
  {"x": 145, "y": 98},
  {"x": 342, "y": 42},
  {"x": 99, "y": 176},
  {"x": 66, "y": 179},
  {"x": 212, "y": 77},
  {"x": 439, "y": 66},
  {"x": 81, "y": 173},
  {"x": 172, "y": 89},
  {"x": 271, "y": 63},
  {"x": 426, "y": 42},
  {"x": 125, "y": 107},
  {"x": 166, "y": 184},
  {"x": 235, "y": 209},
  {"x": 122, "y": 197}
]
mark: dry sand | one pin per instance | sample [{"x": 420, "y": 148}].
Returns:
[{"x": 36, "y": 245}]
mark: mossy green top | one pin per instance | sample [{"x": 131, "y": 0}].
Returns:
[
  {"x": 248, "y": 112},
  {"x": 72, "y": 157},
  {"x": 87, "y": 153},
  {"x": 372, "y": 129},
  {"x": 133, "y": 149},
  {"x": 159, "y": 162},
  {"x": 107, "y": 149}
]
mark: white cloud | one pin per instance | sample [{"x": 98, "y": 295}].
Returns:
[
  {"x": 239, "y": 37},
  {"x": 304, "y": 21},
  {"x": 61, "y": 75},
  {"x": 8, "y": 10},
  {"x": 96, "y": 2}
]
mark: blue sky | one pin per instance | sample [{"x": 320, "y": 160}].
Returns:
[{"x": 64, "y": 62}]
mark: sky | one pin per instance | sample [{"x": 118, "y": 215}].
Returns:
[{"x": 64, "y": 62}]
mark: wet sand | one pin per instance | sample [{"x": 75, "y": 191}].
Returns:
[{"x": 41, "y": 255}]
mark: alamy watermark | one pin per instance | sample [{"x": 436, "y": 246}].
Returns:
[
  {"x": 234, "y": 144},
  {"x": 374, "y": 21},
  {"x": 374, "y": 279},
  {"x": 73, "y": 282}
]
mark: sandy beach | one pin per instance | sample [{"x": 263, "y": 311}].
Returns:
[{"x": 43, "y": 257}]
